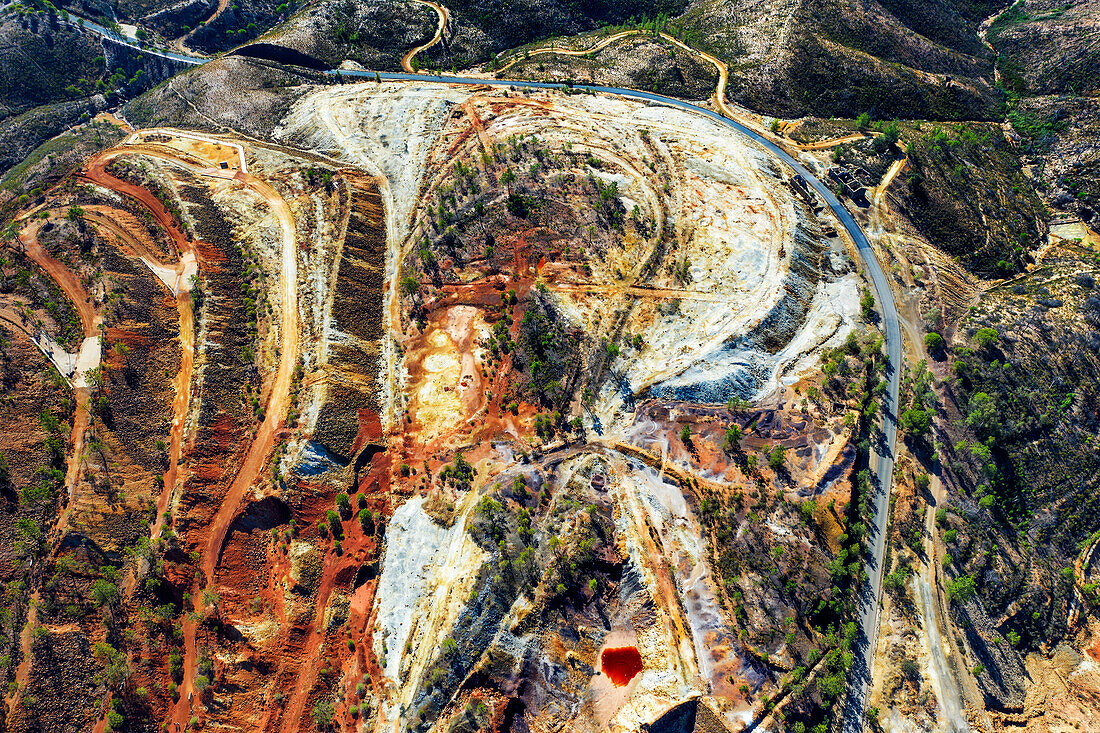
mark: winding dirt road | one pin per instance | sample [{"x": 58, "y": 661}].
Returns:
[
  {"x": 264, "y": 440},
  {"x": 719, "y": 96},
  {"x": 833, "y": 142},
  {"x": 90, "y": 320},
  {"x": 598, "y": 46},
  {"x": 65, "y": 278},
  {"x": 179, "y": 44},
  {"x": 444, "y": 18}
]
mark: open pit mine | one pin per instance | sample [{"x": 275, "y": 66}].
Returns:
[{"x": 444, "y": 409}]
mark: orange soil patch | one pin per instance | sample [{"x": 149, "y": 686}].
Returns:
[{"x": 129, "y": 338}]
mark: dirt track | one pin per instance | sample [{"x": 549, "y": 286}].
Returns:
[
  {"x": 276, "y": 407},
  {"x": 599, "y": 46},
  {"x": 65, "y": 278},
  {"x": 74, "y": 290},
  {"x": 179, "y": 43},
  {"x": 264, "y": 439},
  {"x": 444, "y": 19}
]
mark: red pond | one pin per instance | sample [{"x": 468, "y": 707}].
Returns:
[{"x": 621, "y": 664}]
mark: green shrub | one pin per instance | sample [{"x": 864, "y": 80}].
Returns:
[
  {"x": 986, "y": 337},
  {"x": 777, "y": 457},
  {"x": 934, "y": 342},
  {"x": 916, "y": 421},
  {"x": 961, "y": 589}
]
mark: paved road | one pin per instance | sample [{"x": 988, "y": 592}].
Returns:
[
  {"x": 122, "y": 40},
  {"x": 883, "y": 457}
]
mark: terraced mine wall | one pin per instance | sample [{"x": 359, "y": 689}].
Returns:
[
  {"x": 742, "y": 365},
  {"x": 61, "y": 659},
  {"x": 357, "y": 312},
  {"x": 223, "y": 325},
  {"x": 147, "y": 330}
]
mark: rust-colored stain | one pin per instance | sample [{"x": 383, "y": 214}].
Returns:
[{"x": 621, "y": 664}]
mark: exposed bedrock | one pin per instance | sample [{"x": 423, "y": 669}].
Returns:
[
  {"x": 746, "y": 364},
  {"x": 520, "y": 596}
]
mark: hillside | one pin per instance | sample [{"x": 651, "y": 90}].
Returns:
[
  {"x": 41, "y": 61},
  {"x": 898, "y": 60},
  {"x": 1048, "y": 47}
]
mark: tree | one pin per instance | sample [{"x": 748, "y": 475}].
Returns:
[
  {"x": 986, "y": 337},
  {"x": 807, "y": 509},
  {"x": 867, "y": 304},
  {"x": 116, "y": 665},
  {"x": 733, "y": 437},
  {"x": 334, "y": 523},
  {"x": 737, "y": 404},
  {"x": 104, "y": 593},
  {"x": 831, "y": 686},
  {"x": 934, "y": 343},
  {"x": 211, "y": 599},
  {"x": 685, "y": 434},
  {"x": 343, "y": 505},
  {"x": 863, "y": 122},
  {"x": 777, "y": 457},
  {"x": 916, "y": 421},
  {"x": 890, "y": 133},
  {"x": 410, "y": 285},
  {"x": 961, "y": 589},
  {"x": 115, "y": 720},
  {"x": 983, "y": 412}
]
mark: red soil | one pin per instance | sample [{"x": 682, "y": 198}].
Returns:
[
  {"x": 65, "y": 278},
  {"x": 96, "y": 172},
  {"x": 621, "y": 664}
]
